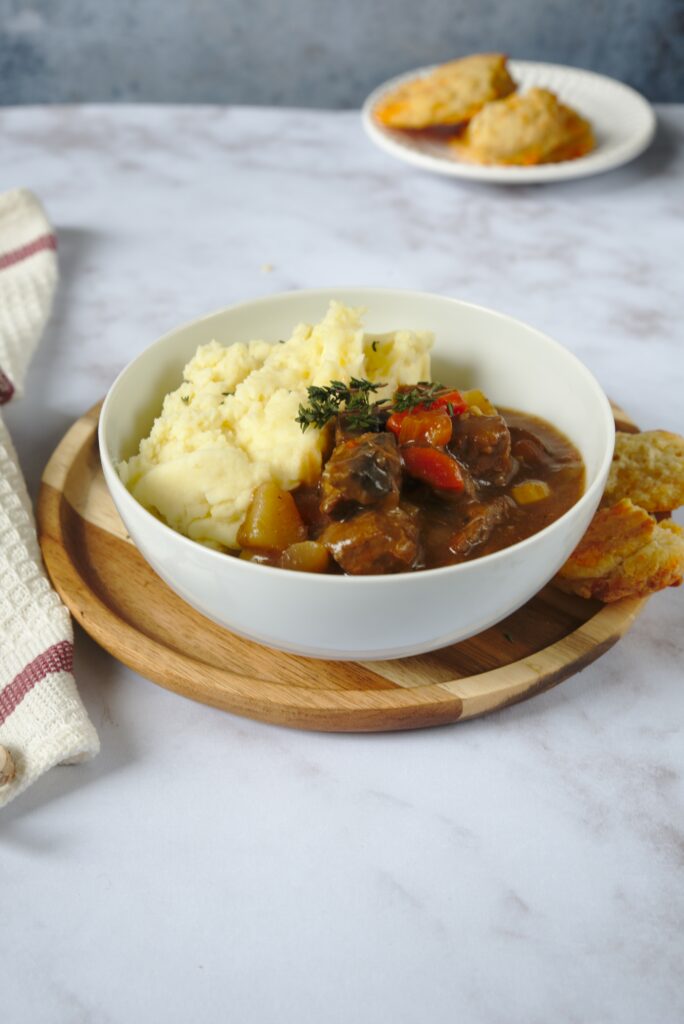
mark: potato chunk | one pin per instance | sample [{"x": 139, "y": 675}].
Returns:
[
  {"x": 273, "y": 521},
  {"x": 476, "y": 399},
  {"x": 306, "y": 556},
  {"x": 260, "y": 557},
  {"x": 530, "y": 491}
]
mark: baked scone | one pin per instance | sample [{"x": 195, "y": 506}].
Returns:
[
  {"x": 649, "y": 469},
  {"x": 525, "y": 129},
  {"x": 624, "y": 553},
  {"x": 449, "y": 95}
]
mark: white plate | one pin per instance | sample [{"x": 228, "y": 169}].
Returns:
[{"x": 623, "y": 122}]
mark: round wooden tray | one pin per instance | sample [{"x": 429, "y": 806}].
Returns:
[{"x": 119, "y": 600}]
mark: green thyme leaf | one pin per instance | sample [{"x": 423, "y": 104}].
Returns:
[
  {"x": 422, "y": 393},
  {"x": 353, "y": 398}
]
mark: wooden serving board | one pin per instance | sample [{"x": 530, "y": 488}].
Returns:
[{"x": 120, "y": 601}]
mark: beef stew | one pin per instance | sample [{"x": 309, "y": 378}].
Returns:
[{"x": 424, "y": 484}]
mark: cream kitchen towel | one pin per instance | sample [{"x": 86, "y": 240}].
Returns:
[{"x": 42, "y": 719}]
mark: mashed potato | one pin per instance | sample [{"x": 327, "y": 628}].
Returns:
[{"x": 232, "y": 422}]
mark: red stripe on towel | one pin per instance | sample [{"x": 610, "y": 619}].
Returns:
[
  {"x": 6, "y": 388},
  {"x": 58, "y": 658},
  {"x": 8, "y": 259}
]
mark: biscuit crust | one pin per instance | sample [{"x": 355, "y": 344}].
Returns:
[
  {"x": 649, "y": 469},
  {"x": 449, "y": 95},
  {"x": 525, "y": 129},
  {"x": 624, "y": 553}
]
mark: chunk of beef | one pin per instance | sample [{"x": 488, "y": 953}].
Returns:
[
  {"x": 528, "y": 449},
  {"x": 308, "y": 501},
  {"x": 374, "y": 541},
  {"x": 361, "y": 472},
  {"x": 483, "y": 444},
  {"x": 480, "y": 520}
]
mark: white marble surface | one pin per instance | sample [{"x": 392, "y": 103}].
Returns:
[{"x": 520, "y": 869}]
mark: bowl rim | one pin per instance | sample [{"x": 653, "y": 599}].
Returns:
[{"x": 120, "y": 490}]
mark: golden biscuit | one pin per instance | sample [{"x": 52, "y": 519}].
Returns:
[
  {"x": 624, "y": 553},
  {"x": 534, "y": 128},
  {"x": 649, "y": 469},
  {"x": 449, "y": 95}
]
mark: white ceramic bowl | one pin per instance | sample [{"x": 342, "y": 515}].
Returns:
[{"x": 368, "y": 617}]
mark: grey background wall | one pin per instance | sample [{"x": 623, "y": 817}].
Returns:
[{"x": 317, "y": 53}]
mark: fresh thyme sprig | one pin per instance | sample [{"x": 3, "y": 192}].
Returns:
[
  {"x": 354, "y": 401},
  {"x": 326, "y": 402},
  {"x": 423, "y": 393}
]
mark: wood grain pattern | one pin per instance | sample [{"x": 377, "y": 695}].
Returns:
[{"x": 119, "y": 600}]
